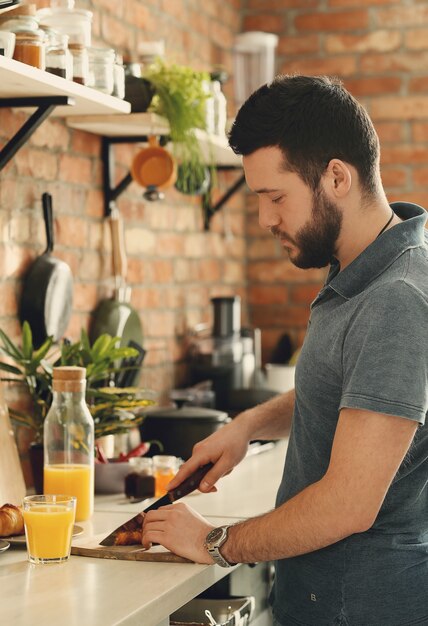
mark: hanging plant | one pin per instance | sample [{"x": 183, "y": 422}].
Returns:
[{"x": 180, "y": 97}]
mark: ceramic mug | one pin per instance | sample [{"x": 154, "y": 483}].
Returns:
[{"x": 154, "y": 167}]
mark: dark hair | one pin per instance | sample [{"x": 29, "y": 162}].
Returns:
[{"x": 312, "y": 119}]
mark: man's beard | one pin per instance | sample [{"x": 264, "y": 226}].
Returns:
[{"x": 316, "y": 240}]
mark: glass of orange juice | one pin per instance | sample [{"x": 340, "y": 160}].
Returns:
[
  {"x": 164, "y": 470},
  {"x": 48, "y": 521}
]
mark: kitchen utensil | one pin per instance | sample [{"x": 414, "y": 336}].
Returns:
[
  {"x": 187, "y": 486},
  {"x": 154, "y": 167},
  {"x": 180, "y": 428},
  {"x": 47, "y": 293},
  {"x": 130, "y": 367},
  {"x": 116, "y": 316},
  {"x": 12, "y": 485}
]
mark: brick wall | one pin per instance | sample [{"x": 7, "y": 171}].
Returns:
[{"x": 379, "y": 48}]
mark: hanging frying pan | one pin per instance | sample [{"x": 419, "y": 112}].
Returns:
[
  {"x": 47, "y": 293},
  {"x": 116, "y": 316}
]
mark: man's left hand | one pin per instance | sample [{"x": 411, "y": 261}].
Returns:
[{"x": 179, "y": 529}]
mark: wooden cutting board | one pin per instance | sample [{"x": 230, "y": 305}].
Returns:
[
  {"x": 12, "y": 485},
  {"x": 91, "y": 547}
]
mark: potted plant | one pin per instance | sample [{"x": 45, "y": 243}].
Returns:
[
  {"x": 114, "y": 410},
  {"x": 180, "y": 97}
]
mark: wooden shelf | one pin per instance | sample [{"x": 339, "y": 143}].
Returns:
[
  {"x": 19, "y": 80},
  {"x": 143, "y": 124}
]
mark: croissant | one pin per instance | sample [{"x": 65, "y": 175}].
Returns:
[{"x": 11, "y": 520}]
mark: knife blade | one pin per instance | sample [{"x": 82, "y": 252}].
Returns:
[{"x": 187, "y": 486}]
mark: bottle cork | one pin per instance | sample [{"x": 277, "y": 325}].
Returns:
[{"x": 69, "y": 378}]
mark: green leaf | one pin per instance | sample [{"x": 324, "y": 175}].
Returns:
[
  {"x": 27, "y": 340},
  {"x": 10, "y": 368},
  {"x": 84, "y": 340},
  {"x": 40, "y": 354},
  {"x": 10, "y": 348}
]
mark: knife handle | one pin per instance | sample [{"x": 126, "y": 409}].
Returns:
[{"x": 190, "y": 484}]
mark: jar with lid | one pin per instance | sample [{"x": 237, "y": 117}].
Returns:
[
  {"x": 80, "y": 64},
  {"x": 69, "y": 441},
  {"x": 58, "y": 57},
  {"x": 140, "y": 482},
  {"x": 22, "y": 17},
  {"x": 63, "y": 17},
  {"x": 101, "y": 69},
  {"x": 119, "y": 77},
  {"x": 30, "y": 48}
]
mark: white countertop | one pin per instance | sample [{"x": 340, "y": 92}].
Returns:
[{"x": 102, "y": 592}]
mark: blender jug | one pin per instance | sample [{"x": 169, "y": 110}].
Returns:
[{"x": 254, "y": 62}]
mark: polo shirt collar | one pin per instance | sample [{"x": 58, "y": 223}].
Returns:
[{"x": 379, "y": 255}]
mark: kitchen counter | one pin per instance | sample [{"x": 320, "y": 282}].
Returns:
[{"x": 104, "y": 592}]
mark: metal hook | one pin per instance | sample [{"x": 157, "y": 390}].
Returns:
[{"x": 210, "y": 617}]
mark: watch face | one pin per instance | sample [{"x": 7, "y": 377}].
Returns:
[{"x": 214, "y": 535}]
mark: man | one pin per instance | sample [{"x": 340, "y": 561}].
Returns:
[{"x": 350, "y": 529}]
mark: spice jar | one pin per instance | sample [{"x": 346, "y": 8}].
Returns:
[
  {"x": 101, "y": 72},
  {"x": 30, "y": 48},
  {"x": 119, "y": 77},
  {"x": 80, "y": 64},
  {"x": 140, "y": 483},
  {"x": 58, "y": 57}
]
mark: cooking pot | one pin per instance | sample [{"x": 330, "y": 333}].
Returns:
[{"x": 178, "y": 429}]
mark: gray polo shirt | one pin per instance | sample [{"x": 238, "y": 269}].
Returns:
[{"x": 366, "y": 348}]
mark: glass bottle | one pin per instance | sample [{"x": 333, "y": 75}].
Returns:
[
  {"x": 69, "y": 441},
  {"x": 58, "y": 57},
  {"x": 220, "y": 108},
  {"x": 80, "y": 63},
  {"x": 101, "y": 69}
]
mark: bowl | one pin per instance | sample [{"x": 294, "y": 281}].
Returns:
[
  {"x": 7, "y": 43},
  {"x": 110, "y": 477}
]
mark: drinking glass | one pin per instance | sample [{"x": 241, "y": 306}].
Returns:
[
  {"x": 164, "y": 470},
  {"x": 49, "y": 523}
]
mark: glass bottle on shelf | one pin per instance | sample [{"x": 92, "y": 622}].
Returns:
[
  {"x": 58, "y": 57},
  {"x": 79, "y": 54},
  {"x": 220, "y": 108},
  {"x": 69, "y": 441},
  {"x": 101, "y": 69}
]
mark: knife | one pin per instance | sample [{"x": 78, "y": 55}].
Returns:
[{"x": 187, "y": 486}]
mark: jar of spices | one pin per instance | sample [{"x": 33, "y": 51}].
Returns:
[
  {"x": 140, "y": 482},
  {"x": 58, "y": 57},
  {"x": 101, "y": 69},
  {"x": 79, "y": 55},
  {"x": 119, "y": 78},
  {"x": 30, "y": 48}
]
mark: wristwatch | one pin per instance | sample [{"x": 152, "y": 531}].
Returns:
[{"x": 213, "y": 542}]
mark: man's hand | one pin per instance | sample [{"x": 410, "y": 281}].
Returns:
[
  {"x": 179, "y": 529},
  {"x": 225, "y": 448}
]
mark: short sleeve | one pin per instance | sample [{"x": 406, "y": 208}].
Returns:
[{"x": 385, "y": 353}]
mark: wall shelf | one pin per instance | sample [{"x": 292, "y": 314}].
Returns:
[{"x": 135, "y": 128}]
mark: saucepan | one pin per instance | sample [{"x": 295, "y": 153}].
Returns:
[{"x": 154, "y": 168}]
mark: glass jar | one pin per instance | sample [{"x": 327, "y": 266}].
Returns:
[
  {"x": 30, "y": 48},
  {"x": 164, "y": 469},
  {"x": 79, "y": 58},
  {"x": 119, "y": 78},
  {"x": 58, "y": 57},
  {"x": 101, "y": 72},
  {"x": 76, "y": 23},
  {"x": 140, "y": 482},
  {"x": 69, "y": 441}
]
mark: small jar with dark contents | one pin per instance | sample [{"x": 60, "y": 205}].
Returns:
[
  {"x": 58, "y": 57},
  {"x": 80, "y": 63},
  {"x": 140, "y": 482}
]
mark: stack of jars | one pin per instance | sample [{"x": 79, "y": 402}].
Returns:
[{"x": 30, "y": 45}]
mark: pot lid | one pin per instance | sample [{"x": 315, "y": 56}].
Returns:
[{"x": 189, "y": 413}]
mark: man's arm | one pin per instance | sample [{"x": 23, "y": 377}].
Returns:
[
  {"x": 367, "y": 451},
  {"x": 228, "y": 446}
]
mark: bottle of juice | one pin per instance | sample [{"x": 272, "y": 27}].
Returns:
[{"x": 69, "y": 441}]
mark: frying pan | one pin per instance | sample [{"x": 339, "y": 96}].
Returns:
[
  {"x": 116, "y": 316},
  {"x": 154, "y": 168},
  {"x": 47, "y": 293}
]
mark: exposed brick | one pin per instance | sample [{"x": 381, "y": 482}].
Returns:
[
  {"x": 358, "y": 3},
  {"x": 373, "y": 86},
  {"x": 420, "y": 131},
  {"x": 75, "y": 169},
  {"x": 85, "y": 296},
  {"x": 402, "y": 16},
  {"x": 209, "y": 270},
  {"x": 416, "y": 39},
  {"x": 409, "y": 154},
  {"x": 418, "y": 84},
  {"x": 8, "y": 300},
  {"x": 86, "y": 143},
  {"x": 400, "y": 108},
  {"x": 304, "y": 294},
  {"x": 161, "y": 271},
  {"x": 71, "y": 231},
  {"x": 52, "y": 134},
  {"x": 233, "y": 272},
  {"x": 418, "y": 197},
  {"x": 335, "y": 66},
  {"x": 265, "y": 22},
  {"x": 394, "y": 177},
  {"x": 262, "y": 248},
  {"x": 280, "y": 5},
  {"x": 420, "y": 176},
  {"x": 375, "y": 41},
  {"x": 280, "y": 316},
  {"x": 389, "y": 131},
  {"x": 332, "y": 21},
  {"x": 281, "y": 272},
  {"x": 260, "y": 294},
  {"x": 299, "y": 44},
  {"x": 411, "y": 62}
]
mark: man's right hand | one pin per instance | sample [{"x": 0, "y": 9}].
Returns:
[{"x": 225, "y": 448}]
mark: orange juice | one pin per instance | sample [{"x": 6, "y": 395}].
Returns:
[
  {"x": 48, "y": 528},
  {"x": 161, "y": 480},
  {"x": 72, "y": 480}
]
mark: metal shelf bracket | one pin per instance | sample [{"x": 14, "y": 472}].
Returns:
[
  {"x": 112, "y": 192},
  {"x": 45, "y": 106}
]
